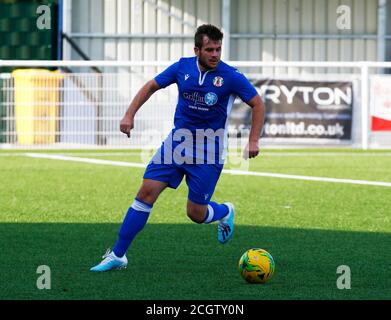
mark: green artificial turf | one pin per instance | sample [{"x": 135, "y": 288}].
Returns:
[{"x": 65, "y": 214}]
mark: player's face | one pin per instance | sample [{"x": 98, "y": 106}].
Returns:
[{"x": 210, "y": 53}]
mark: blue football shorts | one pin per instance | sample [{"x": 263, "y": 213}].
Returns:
[{"x": 201, "y": 179}]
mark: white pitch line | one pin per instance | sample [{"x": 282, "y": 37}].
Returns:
[
  {"x": 228, "y": 171},
  {"x": 231, "y": 153},
  {"x": 264, "y": 154},
  {"x": 85, "y": 160},
  {"x": 308, "y": 178},
  {"x": 325, "y": 154}
]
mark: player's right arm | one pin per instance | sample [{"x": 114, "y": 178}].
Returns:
[
  {"x": 161, "y": 81},
  {"x": 127, "y": 122}
]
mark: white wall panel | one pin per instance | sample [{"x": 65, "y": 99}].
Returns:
[
  {"x": 307, "y": 25},
  {"x": 163, "y": 27},
  {"x": 242, "y": 25},
  {"x": 304, "y": 17},
  {"x": 214, "y": 12},
  {"x": 176, "y": 28},
  {"x": 346, "y": 46},
  {"x": 189, "y": 16},
  {"x": 80, "y": 23},
  {"x": 136, "y": 27},
  {"x": 123, "y": 45},
  {"x": 358, "y": 17},
  {"x": 96, "y": 24},
  {"x": 266, "y": 17},
  {"x": 150, "y": 45},
  {"x": 139, "y": 17},
  {"x": 202, "y": 12},
  {"x": 294, "y": 27},
  {"x": 281, "y": 27},
  {"x": 332, "y": 44},
  {"x": 320, "y": 27},
  {"x": 110, "y": 27},
  {"x": 371, "y": 27},
  {"x": 268, "y": 21},
  {"x": 123, "y": 27},
  {"x": 254, "y": 45}
]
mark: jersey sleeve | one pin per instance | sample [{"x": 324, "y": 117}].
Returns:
[
  {"x": 168, "y": 76},
  {"x": 242, "y": 87}
]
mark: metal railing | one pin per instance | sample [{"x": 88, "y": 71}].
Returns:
[{"x": 65, "y": 115}]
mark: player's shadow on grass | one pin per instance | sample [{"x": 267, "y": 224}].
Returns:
[{"x": 185, "y": 261}]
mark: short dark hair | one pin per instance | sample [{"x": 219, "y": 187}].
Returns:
[{"x": 209, "y": 30}]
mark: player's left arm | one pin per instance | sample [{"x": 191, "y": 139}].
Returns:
[{"x": 257, "y": 118}]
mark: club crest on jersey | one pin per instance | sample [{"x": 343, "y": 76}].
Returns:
[
  {"x": 210, "y": 98},
  {"x": 218, "y": 81}
]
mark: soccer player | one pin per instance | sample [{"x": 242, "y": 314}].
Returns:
[{"x": 196, "y": 147}]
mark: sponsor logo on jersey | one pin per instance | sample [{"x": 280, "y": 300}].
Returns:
[
  {"x": 195, "y": 97},
  {"x": 210, "y": 98},
  {"x": 187, "y": 76},
  {"x": 218, "y": 81}
]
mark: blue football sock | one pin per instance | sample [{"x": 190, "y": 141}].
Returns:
[
  {"x": 215, "y": 212},
  {"x": 134, "y": 222}
]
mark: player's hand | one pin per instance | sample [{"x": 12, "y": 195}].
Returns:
[
  {"x": 251, "y": 150},
  {"x": 126, "y": 125}
]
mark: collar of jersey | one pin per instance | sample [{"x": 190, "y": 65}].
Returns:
[{"x": 201, "y": 77}]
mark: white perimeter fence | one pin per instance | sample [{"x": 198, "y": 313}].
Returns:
[{"x": 80, "y": 107}]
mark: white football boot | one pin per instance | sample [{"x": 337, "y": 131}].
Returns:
[{"x": 110, "y": 262}]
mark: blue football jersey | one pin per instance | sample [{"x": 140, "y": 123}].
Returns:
[{"x": 205, "y": 98}]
